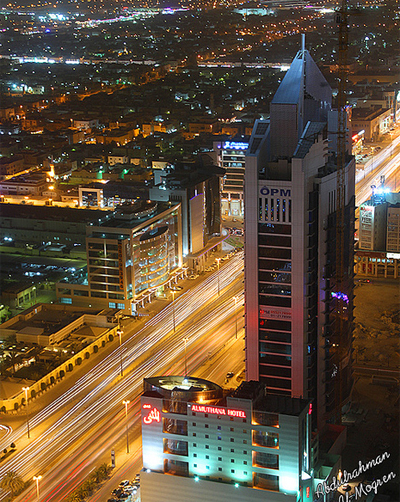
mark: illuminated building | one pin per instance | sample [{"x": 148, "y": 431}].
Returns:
[
  {"x": 133, "y": 253},
  {"x": 231, "y": 156},
  {"x": 290, "y": 249},
  {"x": 378, "y": 252},
  {"x": 199, "y": 444},
  {"x": 196, "y": 187}
]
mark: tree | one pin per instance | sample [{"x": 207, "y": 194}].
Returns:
[{"x": 12, "y": 483}]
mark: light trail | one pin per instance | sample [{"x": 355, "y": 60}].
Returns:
[{"x": 92, "y": 404}]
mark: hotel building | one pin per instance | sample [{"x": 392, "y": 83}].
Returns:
[
  {"x": 199, "y": 444},
  {"x": 291, "y": 297}
]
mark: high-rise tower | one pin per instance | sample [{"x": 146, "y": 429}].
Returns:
[{"x": 290, "y": 252}]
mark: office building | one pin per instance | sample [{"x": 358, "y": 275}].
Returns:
[
  {"x": 200, "y": 444},
  {"x": 196, "y": 186},
  {"x": 291, "y": 296},
  {"x": 133, "y": 254},
  {"x": 378, "y": 251},
  {"x": 231, "y": 156}
]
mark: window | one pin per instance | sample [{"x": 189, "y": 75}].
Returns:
[
  {"x": 194, "y": 424},
  {"x": 219, "y": 438},
  {"x": 244, "y": 441},
  {"x": 233, "y": 471},
  {"x": 207, "y": 467},
  {"x": 244, "y": 462},
  {"x": 194, "y": 444},
  {"x": 245, "y": 473},
  {"x": 207, "y": 457},
  {"x": 232, "y": 440},
  {"x": 194, "y": 434},
  {"x": 219, "y": 448},
  {"x": 206, "y": 426},
  {"x": 193, "y": 414},
  {"x": 195, "y": 454},
  {"x": 244, "y": 431},
  {"x": 206, "y": 436},
  {"x": 219, "y": 427},
  {"x": 207, "y": 447},
  {"x": 244, "y": 452},
  {"x": 194, "y": 465},
  {"x": 220, "y": 469},
  {"x": 232, "y": 450},
  {"x": 206, "y": 415},
  {"x": 232, "y": 429},
  {"x": 232, "y": 460},
  {"x": 219, "y": 459}
]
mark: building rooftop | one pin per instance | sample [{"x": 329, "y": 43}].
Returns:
[
  {"x": 271, "y": 403},
  {"x": 50, "y": 213}
]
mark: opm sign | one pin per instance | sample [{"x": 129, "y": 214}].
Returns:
[{"x": 282, "y": 192}]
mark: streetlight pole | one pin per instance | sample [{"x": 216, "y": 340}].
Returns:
[
  {"x": 126, "y": 402},
  {"x": 186, "y": 339},
  {"x": 37, "y": 479},
  {"x": 218, "y": 260},
  {"x": 173, "y": 308},
  {"x": 25, "y": 389}
]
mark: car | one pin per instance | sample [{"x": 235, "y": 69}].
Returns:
[
  {"x": 112, "y": 500},
  {"x": 364, "y": 281},
  {"x": 124, "y": 482},
  {"x": 192, "y": 277},
  {"x": 229, "y": 374},
  {"x": 131, "y": 489},
  {"x": 123, "y": 496}
]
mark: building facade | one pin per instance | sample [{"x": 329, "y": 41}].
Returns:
[
  {"x": 231, "y": 156},
  {"x": 132, "y": 255},
  {"x": 291, "y": 295},
  {"x": 199, "y": 445}
]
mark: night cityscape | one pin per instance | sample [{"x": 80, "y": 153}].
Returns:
[{"x": 199, "y": 251}]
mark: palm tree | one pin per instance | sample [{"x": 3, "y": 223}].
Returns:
[{"x": 12, "y": 483}]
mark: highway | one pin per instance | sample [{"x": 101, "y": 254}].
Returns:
[
  {"x": 71, "y": 434},
  {"x": 387, "y": 164}
]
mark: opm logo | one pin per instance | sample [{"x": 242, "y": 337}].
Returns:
[{"x": 282, "y": 192}]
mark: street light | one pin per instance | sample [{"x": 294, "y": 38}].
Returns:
[
  {"x": 173, "y": 308},
  {"x": 218, "y": 260},
  {"x": 185, "y": 339},
  {"x": 25, "y": 389},
  {"x": 126, "y": 402},
  {"x": 37, "y": 479}
]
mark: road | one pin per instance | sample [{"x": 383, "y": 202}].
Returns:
[
  {"x": 72, "y": 434},
  {"x": 387, "y": 165}
]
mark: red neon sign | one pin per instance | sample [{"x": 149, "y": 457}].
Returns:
[
  {"x": 153, "y": 416},
  {"x": 310, "y": 408},
  {"x": 308, "y": 492},
  {"x": 147, "y": 406},
  {"x": 218, "y": 411}
]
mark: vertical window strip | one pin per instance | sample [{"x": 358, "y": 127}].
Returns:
[
  {"x": 290, "y": 210},
  {"x": 260, "y": 213},
  {"x": 272, "y": 209},
  {"x": 283, "y": 210},
  {"x": 278, "y": 208},
  {"x": 266, "y": 209}
]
